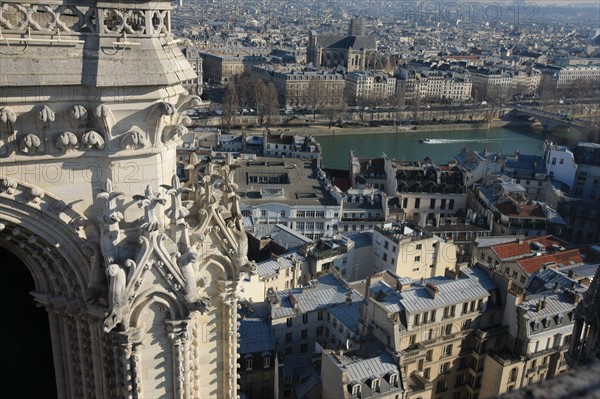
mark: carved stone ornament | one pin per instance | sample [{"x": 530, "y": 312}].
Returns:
[
  {"x": 93, "y": 139},
  {"x": 8, "y": 117},
  {"x": 30, "y": 144},
  {"x": 67, "y": 141},
  {"x": 134, "y": 139},
  {"x": 150, "y": 202}
]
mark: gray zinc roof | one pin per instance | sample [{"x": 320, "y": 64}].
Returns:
[{"x": 325, "y": 291}]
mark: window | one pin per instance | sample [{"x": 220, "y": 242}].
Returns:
[
  {"x": 466, "y": 324},
  {"x": 288, "y": 322},
  {"x": 266, "y": 362},
  {"x": 385, "y": 257},
  {"x": 288, "y": 337},
  {"x": 427, "y": 373},
  {"x": 375, "y": 385},
  {"x": 303, "y": 348},
  {"x": 419, "y": 246},
  {"x": 417, "y": 319},
  {"x": 305, "y": 318},
  {"x": 304, "y": 334},
  {"x": 447, "y": 350},
  {"x": 263, "y": 213},
  {"x": 465, "y": 308},
  {"x": 443, "y": 204},
  {"x": 249, "y": 364},
  {"x": 355, "y": 390},
  {"x": 432, "y": 203},
  {"x": 462, "y": 363},
  {"x": 444, "y": 367},
  {"x": 441, "y": 386},
  {"x": 447, "y": 329},
  {"x": 429, "y": 355},
  {"x": 451, "y": 204},
  {"x": 417, "y": 203},
  {"x": 417, "y": 258},
  {"x": 393, "y": 379},
  {"x": 320, "y": 315},
  {"x": 282, "y": 214},
  {"x": 412, "y": 340}
]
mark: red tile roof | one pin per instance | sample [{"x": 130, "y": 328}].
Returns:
[
  {"x": 509, "y": 208},
  {"x": 564, "y": 258},
  {"x": 516, "y": 249}
]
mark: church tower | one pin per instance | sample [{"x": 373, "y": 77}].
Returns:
[{"x": 137, "y": 272}]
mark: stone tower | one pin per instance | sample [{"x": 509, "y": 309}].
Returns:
[{"x": 137, "y": 272}]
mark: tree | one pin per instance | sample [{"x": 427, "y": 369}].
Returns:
[
  {"x": 314, "y": 96},
  {"x": 547, "y": 90},
  {"x": 230, "y": 105},
  {"x": 416, "y": 105},
  {"x": 397, "y": 101},
  {"x": 267, "y": 104}
]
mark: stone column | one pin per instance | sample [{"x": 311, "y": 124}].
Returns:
[{"x": 179, "y": 336}]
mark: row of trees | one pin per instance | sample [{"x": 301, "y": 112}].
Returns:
[{"x": 250, "y": 92}]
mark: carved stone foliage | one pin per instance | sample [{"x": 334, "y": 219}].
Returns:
[{"x": 82, "y": 19}]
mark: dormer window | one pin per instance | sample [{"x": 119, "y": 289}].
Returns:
[
  {"x": 393, "y": 380},
  {"x": 266, "y": 361},
  {"x": 559, "y": 319},
  {"x": 356, "y": 390},
  {"x": 249, "y": 364},
  {"x": 375, "y": 384},
  {"x": 546, "y": 322}
]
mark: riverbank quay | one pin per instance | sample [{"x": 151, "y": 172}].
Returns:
[{"x": 318, "y": 130}]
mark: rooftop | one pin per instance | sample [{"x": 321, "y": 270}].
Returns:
[
  {"x": 319, "y": 294},
  {"x": 294, "y": 181}
]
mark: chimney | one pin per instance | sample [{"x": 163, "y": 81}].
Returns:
[
  {"x": 571, "y": 273},
  {"x": 555, "y": 289},
  {"x": 544, "y": 303}
]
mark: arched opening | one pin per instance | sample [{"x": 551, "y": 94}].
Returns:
[{"x": 27, "y": 366}]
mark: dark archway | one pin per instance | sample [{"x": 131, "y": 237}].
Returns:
[{"x": 27, "y": 368}]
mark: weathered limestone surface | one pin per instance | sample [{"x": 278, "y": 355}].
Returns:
[{"x": 138, "y": 272}]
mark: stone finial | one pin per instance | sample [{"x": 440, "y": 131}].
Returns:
[
  {"x": 110, "y": 214},
  {"x": 177, "y": 212}
]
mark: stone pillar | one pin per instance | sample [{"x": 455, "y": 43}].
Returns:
[{"x": 178, "y": 334}]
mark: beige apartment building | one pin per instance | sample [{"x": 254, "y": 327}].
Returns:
[
  {"x": 441, "y": 327},
  {"x": 411, "y": 252}
]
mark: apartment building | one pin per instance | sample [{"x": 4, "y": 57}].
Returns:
[
  {"x": 220, "y": 67},
  {"x": 540, "y": 329},
  {"x": 287, "y": 191},
  {"x": 303, "y": 317},
  {"x": 363, "y": 87},
  {"x": 513, "y": 213},
  {"x": 411, "y": 252},
  {"x": 441, "y": 327},
  {"x": 417, "y": 190},
  {"x": 301, "y": 87},
  {"x": 361, "y": 375},
  {"x": 257, "y": 361},
  {"x": 529, "y": 171},
  {"x": 517, "y": 258},
  {"x": 434, "y": 85}
]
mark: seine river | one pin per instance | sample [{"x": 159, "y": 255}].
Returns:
[{"x": 444, "y": 144}]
